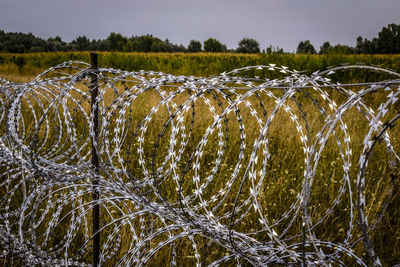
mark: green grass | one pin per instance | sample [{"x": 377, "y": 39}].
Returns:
[{"x": 197, "y": 64}]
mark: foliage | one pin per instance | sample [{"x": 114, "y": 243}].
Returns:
[
  {"x": 81, "y": 43},
  {"x": 365, "y": 46},
  {"x": 25, "y": 43},
  {"x": 198, "y": 64},
  {"x": 116, "y": 42},
  {"x": 389, "y": 39},
  {"x": 387, "y": 42},
  {"x": 277, "y": 193},
  {"x": 55, "y": 44},
  {"x": 248, "y": 45},
  {"x": 213, "y": 45},
  {"x": 305, "y": 47},
  {"x": 194, "y": 46},
  {"x": 326, "y": 48},
  {"x": 20, "y": 42},
  {"x": 274, "y": 50}
]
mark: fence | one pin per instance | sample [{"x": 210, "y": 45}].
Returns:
[{"x": 104, "y": 166}]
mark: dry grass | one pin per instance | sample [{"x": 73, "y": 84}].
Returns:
[{"x": 285, "y": 167}]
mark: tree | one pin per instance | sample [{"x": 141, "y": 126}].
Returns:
[
  {"x": 116, "y": 42},
  {"x": 248, "y": 45},
  {"x": 365, "y": 46},
  {"x": 213, "y": 45},
  {"x": 170, "y": 47},
  {"x": 144, "y": 43},
  {"x": 14, "y": 42},
  {"x": 389, "y": 39},
  {"x": 158, "y": 46},
  {"x": 194, "y": 46},
  {"x": 55, "y": 44},
  {"x": 81, "y": 43},
  {"x": 360, "y": 45},
  {"x": 324, "y": 49},
  {"x": 341, "y": 49},
  {"x": 305, "y": 47},
  {"x": 99, "y": 45},
  {"x": 387, "y": 42},
  {"x": 274, "y": 50}
]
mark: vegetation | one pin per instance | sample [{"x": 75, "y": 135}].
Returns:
[
  {"x": 194, "y": 46},
  {"x": 213, "y": 45},
  {"x": 24, "y": 55},
  {"x": 387, "y": 42},
  {"x": 198, "y": 64},
  {"x": 248, "y": 45},
  {"x": 273, "y": 50},
  {"x": 282, "y": 183},
  {"x": 326, "y": 48},
  {"x": 305, "y": 47},
  {"x": 278, "y": 191}
]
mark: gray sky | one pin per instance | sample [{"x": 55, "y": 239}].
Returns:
[{"x": 272, "y": 22}]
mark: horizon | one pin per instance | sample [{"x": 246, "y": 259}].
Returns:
[{"x": 339, "y": 22}]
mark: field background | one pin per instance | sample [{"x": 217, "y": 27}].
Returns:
[
  {"x": 24, "y": 67},
  {"x": 197, "y": 64}
]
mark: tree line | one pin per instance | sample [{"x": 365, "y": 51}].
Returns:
[{"x": 387, "y": 42}]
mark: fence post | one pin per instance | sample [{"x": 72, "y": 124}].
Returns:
[{"x": 95, "y": 159}]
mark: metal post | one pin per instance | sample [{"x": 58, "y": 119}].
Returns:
[
  {"x": 303, "y": 245},
  {"x": 205, "y": 251},
  {"x": 95, "y": 159}
]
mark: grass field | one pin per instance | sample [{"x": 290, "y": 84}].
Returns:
[
  {"x": 286, "y": 165},
  {"x": 197, "y": 64}
]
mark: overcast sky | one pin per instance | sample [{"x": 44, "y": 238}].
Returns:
[{"x": 282, "y": 23}]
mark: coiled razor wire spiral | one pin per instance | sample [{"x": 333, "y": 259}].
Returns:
[{"x": 169, "y": 184}]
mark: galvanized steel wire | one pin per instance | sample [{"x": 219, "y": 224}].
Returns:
[{"x": 46, "y": 172}]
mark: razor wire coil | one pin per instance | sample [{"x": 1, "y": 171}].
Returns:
[{"x": 47, "y": 130}]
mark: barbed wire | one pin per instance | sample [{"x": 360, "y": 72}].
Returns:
[{"x": 185, "y": 162}]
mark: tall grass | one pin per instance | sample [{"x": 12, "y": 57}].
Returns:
[
  {"x": 197, "y": 64},
  {"x": 286, "y": 165}
]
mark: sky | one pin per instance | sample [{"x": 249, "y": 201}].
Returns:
[{"x": 282, "y": 23}]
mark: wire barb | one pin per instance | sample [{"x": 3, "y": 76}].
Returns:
[{"x": 165, "y": 176}]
